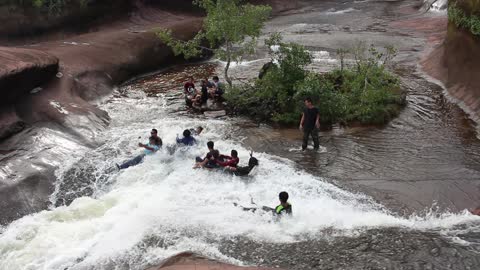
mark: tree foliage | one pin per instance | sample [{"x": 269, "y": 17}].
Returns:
[
  {"x": 363, "y": 91},
  {"x": 233, "y": 23}
]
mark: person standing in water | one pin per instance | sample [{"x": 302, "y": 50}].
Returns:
[{"x": 309, "y": 124}]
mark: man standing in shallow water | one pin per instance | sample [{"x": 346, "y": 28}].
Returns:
[{"x": 310, "y": 124}]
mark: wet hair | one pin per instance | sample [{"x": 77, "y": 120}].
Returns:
[
  {"x": 200, "y": 128},
  {"x": 308, "y": 100},
  {"x": 283, "y": 196},
  {"x": 155, "y": 130},
  {"x": 210, "y": 145},
  {"x": 234, "y": 153},
  {"x": 215, "y": 78},
  {"x": 186, "y": 133},
  {"x": 252, "y": 162}
]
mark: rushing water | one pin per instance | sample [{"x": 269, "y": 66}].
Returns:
[{"x": 342, "y": 218}]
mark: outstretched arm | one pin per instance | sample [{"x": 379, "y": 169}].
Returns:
[{"x": 146, "y": 147}]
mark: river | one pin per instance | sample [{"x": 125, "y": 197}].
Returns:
[{"x": 372, "y": 198}]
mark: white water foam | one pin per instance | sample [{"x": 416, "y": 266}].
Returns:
[{"x": 164, "y": 200}]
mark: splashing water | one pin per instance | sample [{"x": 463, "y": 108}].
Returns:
[{"x": 161, "y": 207}]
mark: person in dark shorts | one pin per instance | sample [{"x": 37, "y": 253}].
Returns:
[
  {"x": 244, "y": 170},
  {"x": 153, "y": 145},
  {"x": 218, "y": 89},
  {"x": 284, "y": 208},
  {"x": 310, "y": 124},
  {"x": 210, "y": 160}
]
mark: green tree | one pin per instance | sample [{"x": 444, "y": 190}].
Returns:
[{"x": 233, "y": 23}]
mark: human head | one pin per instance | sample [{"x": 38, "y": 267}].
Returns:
[
  {"x": 210, "y": 145},
  {"x": 215, "y": 78},
  {"x": 186, "y": 133},
  {"x": 199, "y": 130},
  {"x": 204, "y": 82},
  {"x": 234, "y": 153},
  {"x": 190, "y": 79},
  {"x": 154, "y": 132},
  {"x": 308, "y": 102},
  {"x": 283, "y": 196}
]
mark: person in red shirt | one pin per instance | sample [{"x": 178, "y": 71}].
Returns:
[{"x": 229, "y": 161}]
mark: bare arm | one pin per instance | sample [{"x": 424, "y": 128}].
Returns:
[
  {"x": 146, "y": 147},
  {"x": 317, "y": 121}
]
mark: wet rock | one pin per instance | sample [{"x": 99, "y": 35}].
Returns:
[{"x": 22, "y": 70}]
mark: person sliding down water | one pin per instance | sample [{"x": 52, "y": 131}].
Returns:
[
  {"x": 284, "y": 208},
  {"x": 229, "y": 161},
  {"x": 210, "y": 160},
  {"x": 187, "y": 139},
  {"x": 244, "y": 170},
  {"x": 153, "y": 145}
]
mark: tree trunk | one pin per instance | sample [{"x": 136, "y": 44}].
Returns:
[{"x": 229, "y": 59}]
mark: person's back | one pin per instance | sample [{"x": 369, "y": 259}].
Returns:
[
  {"x": 284, "y": 207},
  {"x": 187, "y": 139}
]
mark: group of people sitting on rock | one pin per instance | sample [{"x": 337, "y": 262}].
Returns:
[{"x": 197, "y": 98}]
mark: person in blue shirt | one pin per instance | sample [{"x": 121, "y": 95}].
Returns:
[
  {"x": 187, "y": 139},
  {"x": 151, "y": 147}
]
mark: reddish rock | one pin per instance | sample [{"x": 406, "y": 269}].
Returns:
[{"x": 191, "y": 261}]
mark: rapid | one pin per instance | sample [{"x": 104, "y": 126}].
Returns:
[{"x": 102, "y": 218}]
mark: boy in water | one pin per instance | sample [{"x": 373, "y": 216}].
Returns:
[
  {"x": 283, "y": 208},
  {"x": 187, "y": 139}
]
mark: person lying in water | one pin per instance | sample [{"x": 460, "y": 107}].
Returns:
[
  {"x": 187, "y": 139},
  {"x": 244, "y": 170},
  {"x": 210, "y": 160},
  {"x": 284, "y": 208},
  {"x": 196, "y": 131},
  {"x": 151, "y": 147},
  {"x": 229, "y": 161}
]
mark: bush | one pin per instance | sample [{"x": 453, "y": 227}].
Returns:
[
  {"x": 462, "y": 20},
  {"x": 365, "y": 92}
]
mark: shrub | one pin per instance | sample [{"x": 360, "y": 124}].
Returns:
[
  {"x": 364, "y": 92},
  {"x": 462, "y": 20}
]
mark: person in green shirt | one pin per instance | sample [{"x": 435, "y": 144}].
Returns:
[{"x": 284, "y": 208}]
